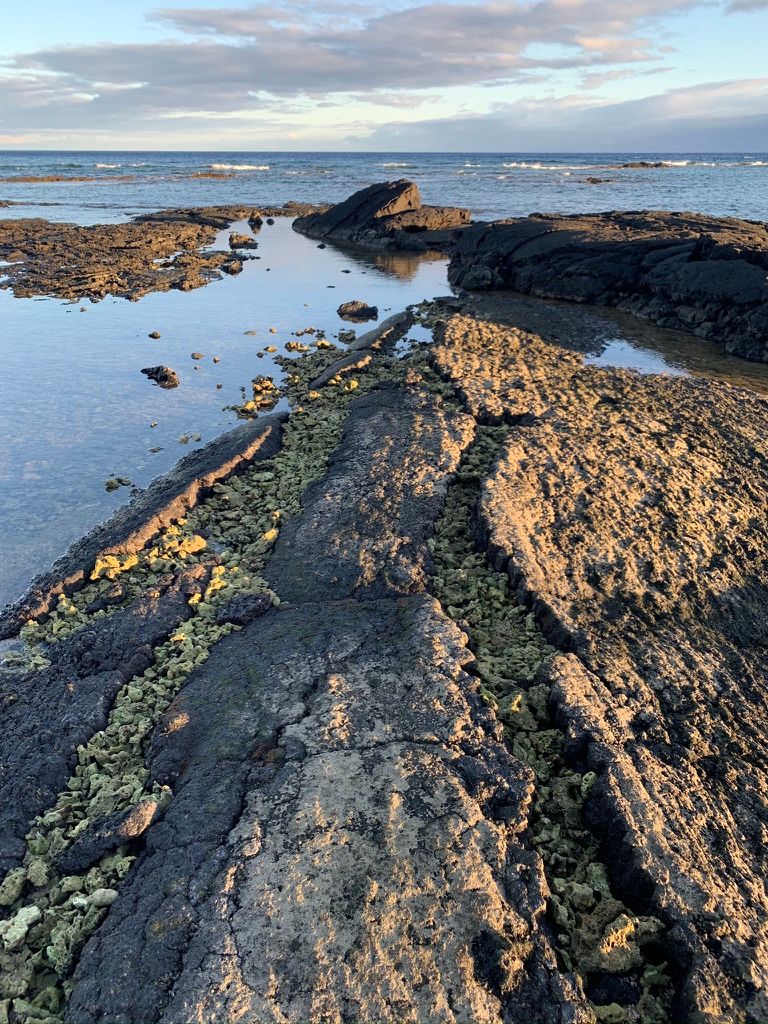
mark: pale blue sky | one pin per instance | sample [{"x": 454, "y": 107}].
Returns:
[{"x": 386, "y": 74}]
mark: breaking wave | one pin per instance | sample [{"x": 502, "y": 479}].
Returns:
[{"x": 239, "y": 167}]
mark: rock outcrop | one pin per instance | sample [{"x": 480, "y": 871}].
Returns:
[
  {"x": 625, "y": 510},
  {"x": 154, "y": 252},
  {"x": 386, "y": 215},
  {"x": 339, "y": 788},
  {"x": 702, "y": 274}
]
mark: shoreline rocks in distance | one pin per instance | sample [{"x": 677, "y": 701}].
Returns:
[{"x": 153, "y": 252}]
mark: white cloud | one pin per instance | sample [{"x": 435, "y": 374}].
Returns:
[
  {"x": 288, "y": 63},
  {"x": 715, "y": 116}
]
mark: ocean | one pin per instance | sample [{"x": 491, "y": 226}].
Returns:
[{"x": 116, "y": 185}]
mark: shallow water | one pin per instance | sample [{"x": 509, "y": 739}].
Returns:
[{"x": 75, "y": 410}]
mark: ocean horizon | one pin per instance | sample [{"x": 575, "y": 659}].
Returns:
[{"x": 89, "y": 186}]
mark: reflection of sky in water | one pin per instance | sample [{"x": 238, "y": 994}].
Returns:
[
  {"x": 74, "y": 408},
  {"x": 629, "y": 356}
]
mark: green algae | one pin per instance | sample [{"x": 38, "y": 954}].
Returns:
[
  {"x": 230, "y": 534},
  {"x": 596, "y": 935}
]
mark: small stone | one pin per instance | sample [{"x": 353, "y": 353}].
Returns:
[
  {"x": 357, "y": 311},
  {"x": 154, "y": 334},
  {"x": 198, "y": 355},
  {"x": 163, "y": 376},
  {"x": 13, "y": 883},
  {"x": 37, "y": 873},
  {"x": 14, "y": 931},
  {"x": 102, "y": 897}
]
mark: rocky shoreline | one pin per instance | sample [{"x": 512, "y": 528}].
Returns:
[{"x": 440, "y": 698}]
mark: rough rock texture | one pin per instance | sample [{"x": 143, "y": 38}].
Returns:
[
  {"x": 166, "y": 499},
  {"x": 365, "y": 525},
  {"x": 383, "y": 216},
  {"x": 163, "y": 376},
  {"x": 154, "y": 252},
  {"x": 332, "y": 824},
  {"x": 342, "y": 843},
  {"x": 682, "y": 270},
  {"x": 629, "y": 511},
  {"x": 39, "y": 737},
  {"x": 357, "y": 311},
  {"x": 354, "y": 792}
]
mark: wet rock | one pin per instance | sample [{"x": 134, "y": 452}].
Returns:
[
  {"x": 357, "y": 311},
  {"x": 239, "y": 241},
  {"x": 163, "y": 376},
  {"x": 705, "y": 275},
  {"x": 154, "y": 252},
  {"x": 154, "y": 334},
  {"x": 643, "y": 165},
  {"x": 167, "y": 499},
  {"x": 114, "y": 483},
  {"x": 195, "y": 355}
]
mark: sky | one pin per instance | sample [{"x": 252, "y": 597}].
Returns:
[{"x": 386, "y": 75}]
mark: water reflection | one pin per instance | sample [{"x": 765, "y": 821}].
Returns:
[
  {"x": 75, "y": 409},
  {"x": 608, "y": 337}
]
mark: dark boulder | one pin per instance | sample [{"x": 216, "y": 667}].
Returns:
[
  {"x": 382, "y": 216},
  {"x": 644, "y": 165},
  {"x": 357, "y": 312}
]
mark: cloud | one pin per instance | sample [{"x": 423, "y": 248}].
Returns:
[
  {"x": 282, "y": 50},
  {"x": 748, "y": 5},
  {"x": 715, "y": 116},
  {"x": 288, "y": 66}
]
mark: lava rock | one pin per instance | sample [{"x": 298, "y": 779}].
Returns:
[
  {"x": 382, "y": 216},
  {"x": 357, "y": 312},
  {"x": 706, "y": 275},
  {"x": 163, "y": 376}
]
